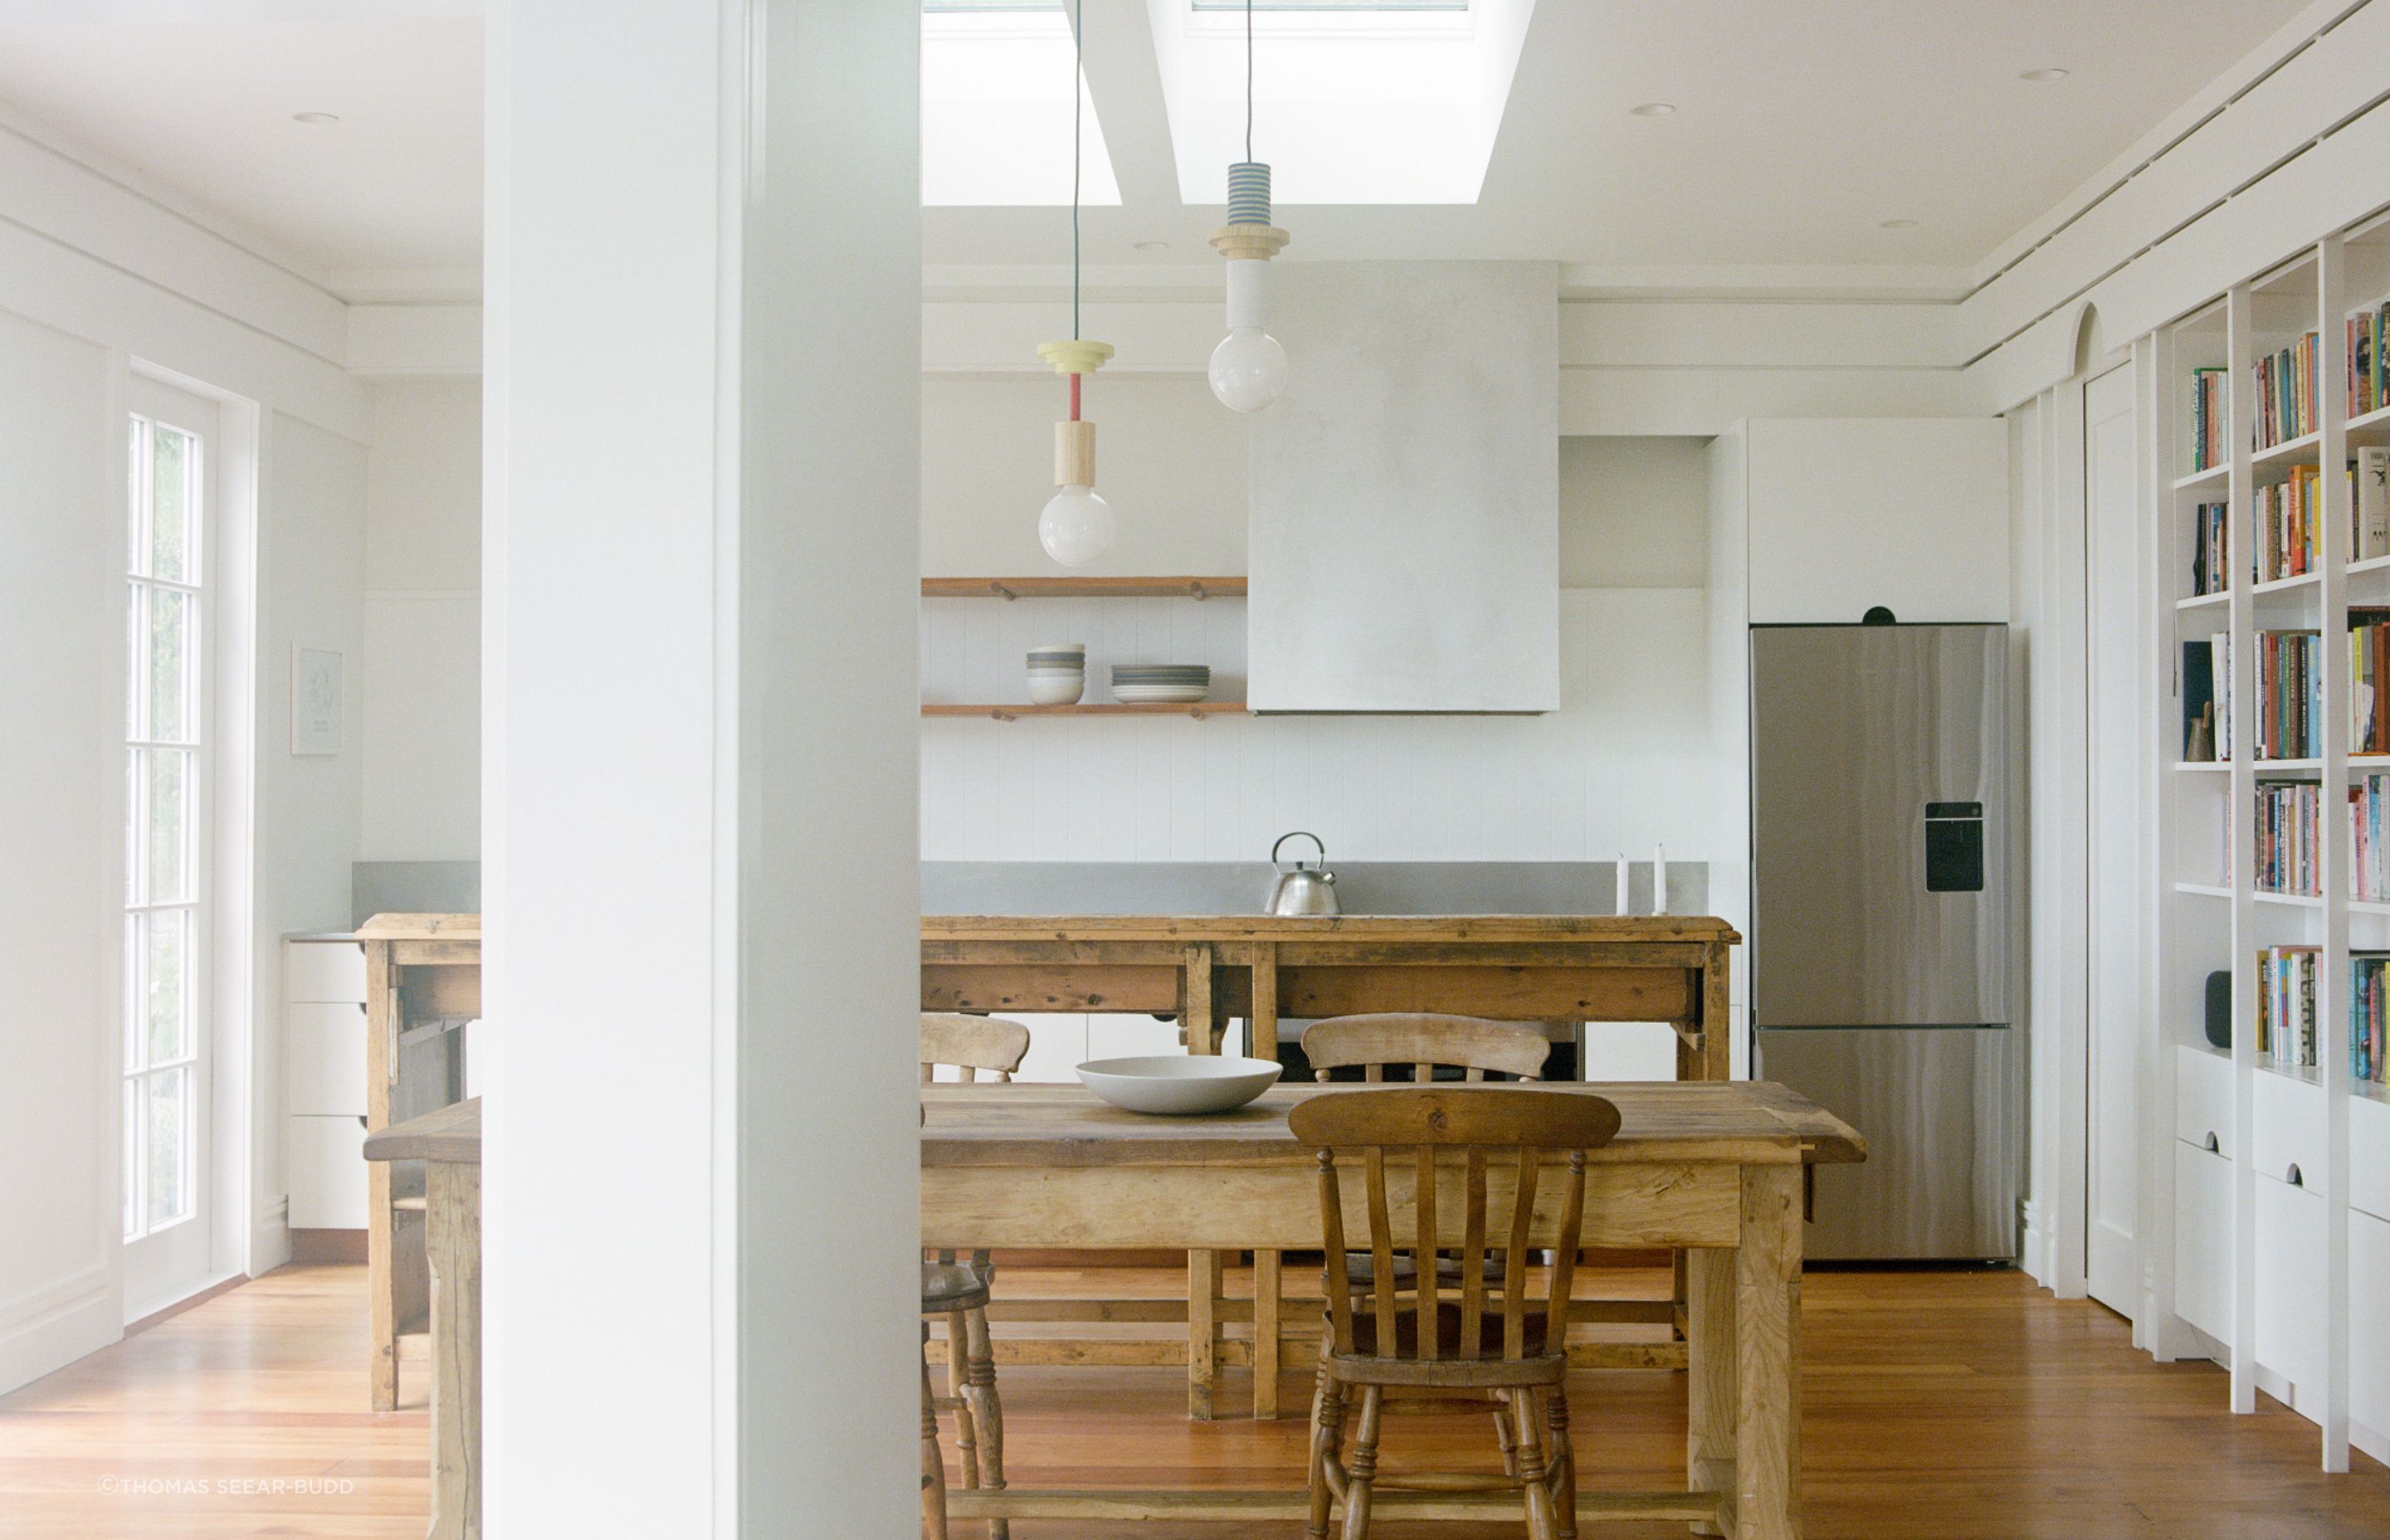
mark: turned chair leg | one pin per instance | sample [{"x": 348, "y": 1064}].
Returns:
[
  {"x": 1563, "y": 1461},
  {"x": 1326, "y": 1440},
  {"x": 1361, "y": 1468},
  {"x": 934, "y": 1466},
  {"x": 958, "y": 1382},
  {"x": 1507, "y": 1439},
  {"x": 1542, "y": 1525},
  {"x": 985, "y": 1411}
]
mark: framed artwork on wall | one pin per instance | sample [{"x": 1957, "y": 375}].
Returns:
[{"x": 315, "y": 701}]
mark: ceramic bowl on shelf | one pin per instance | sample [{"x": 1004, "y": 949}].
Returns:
[
  {"x": 1179, "y": 1084},
  {"x": 1173, "y": 682},
  {"x": 1056, "y": 687}
]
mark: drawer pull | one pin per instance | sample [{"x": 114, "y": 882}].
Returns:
[
  {"x": 2214, "y": 1144},
  {"x": 2293, "y": 1176}
]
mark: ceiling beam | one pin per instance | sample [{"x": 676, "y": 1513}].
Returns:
[{"x": 1125, "y": 82}]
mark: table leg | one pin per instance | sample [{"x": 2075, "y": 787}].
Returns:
[
  {"x": 453, "y": 1244},
  {"x": 381, "y": 1069},
  {"x": 1261, "y": 1023},
  {"x": 1202, "y": 1332},
  {"x": 1718, "y": 1015},
  {"x": 1709, "y": 1404},
  {"x": 1197, "y": 1015},
  {"x": 1767, "y": 1356},
  {"x": 1267, "y": 1305}
]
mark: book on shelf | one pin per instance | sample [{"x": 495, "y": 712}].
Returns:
[
  {"x": 2207, "y": 699},
  {"x": 2207, "y": 440},
  {"x": 2368, "y": 389},
  {"x": 2368, "y": 664},
  {"x": 2211, "y": 548},
  {"x": 2288, "y": 832},
  {"x": 2288, "y": 519},
  {"x": 2290, "y": 694},
  {"x": 2369, "y": 503},
  {"x": 2286, "y": 1003},
  {"x": 2368, "y": 871},
  {"x": 2369, "y": 1015},
  {"x": 2286, "y": 387}
]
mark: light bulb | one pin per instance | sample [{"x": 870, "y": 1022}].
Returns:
[
  {"x": 1248, "y": 369},
  {"x": 1076, "y": 526}
]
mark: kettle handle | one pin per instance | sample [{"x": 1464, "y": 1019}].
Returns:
[{"x": 1300, "y": 834}]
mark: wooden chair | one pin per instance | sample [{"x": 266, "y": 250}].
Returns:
[
  {"x": 958, "y": 1289},
  {"x": 1421, "y": 1344},
  {"x": 1471, "y": 1044}
]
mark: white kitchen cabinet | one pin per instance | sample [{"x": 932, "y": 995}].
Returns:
[
  {"x": 316, "y": 972},
  {"x": 2368, "y": 1324},
  {"x": 1058, "y": 1045},
  {"x": 1112, "y": 1036},
  {"x": 2202, "y": 1240},
  {"x": 2286, "y": 1128},
  {"x": 2369, "y": 1166},
  {"x": 2202, "y": 1101},
  {"x": 324, "y": 1059},
  {"x": 2290, "y": 1282},
  {"x": 1848, "y": 513},
  {"x": 328, "y": 1173}
]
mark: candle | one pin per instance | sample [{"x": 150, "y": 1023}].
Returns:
[
  {"x": 1622, "y": 884},
  {"x": 1659, "y": 879}
]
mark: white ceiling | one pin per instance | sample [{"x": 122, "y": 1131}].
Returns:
[
  {"x": 205, "y": 112},
  {"x": 1801, "y": 126}
]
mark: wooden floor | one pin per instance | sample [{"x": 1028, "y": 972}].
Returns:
[{"x": 1939, "y": 1405}]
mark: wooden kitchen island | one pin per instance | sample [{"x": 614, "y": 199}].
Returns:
[{"x": 1208, "y": 969}]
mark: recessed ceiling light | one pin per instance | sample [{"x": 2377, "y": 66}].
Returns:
[
  {"x": 315, "y": 117},
  {"x": 1653, "y": 110},
  {"x": 2053, "y": 72},
  {"x": 1897, "y": 225},
  {"x": 1151, "y": 245}
]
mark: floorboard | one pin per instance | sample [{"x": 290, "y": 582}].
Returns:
[{"x": 1940, "y": 1406}]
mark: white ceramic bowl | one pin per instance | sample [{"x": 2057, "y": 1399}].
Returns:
[
  {"x": 1179, "y": 1084},
  {"x": 1056, "y": 689}
]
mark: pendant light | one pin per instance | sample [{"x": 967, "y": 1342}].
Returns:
[
  {"x": 1077, "y": 525},
  {"x": 1248, "y": 367}
]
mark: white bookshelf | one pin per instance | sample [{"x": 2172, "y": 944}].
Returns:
[{"x": 2273, "y": 1243}]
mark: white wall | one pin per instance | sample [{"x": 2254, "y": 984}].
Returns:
[
  {"x": 94, "y": 277},
  {"x": 1608, "y": 771},
  {"x": 702, "y": 570},
  {"x": 61, "y": 623},
  {"x": 422, "y": 622}
]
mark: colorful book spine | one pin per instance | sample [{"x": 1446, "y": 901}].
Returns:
[
  {"x": 2369, "y": 1022},
  {"x": 2287, "y": 387},
  {"x": 2288, "y": 519},
  {"x": 2288, "y": 830},
  {"x": 2207, "y": 435}
]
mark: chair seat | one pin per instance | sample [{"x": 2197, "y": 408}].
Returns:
[
  {"x": 947, "y": 1286},
  {"x": 1360, "y": 1274},
  {"x": 1447, "y": 1331}
]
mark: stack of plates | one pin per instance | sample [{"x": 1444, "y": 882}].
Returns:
[
  {"x": 1180, "y": 683},
  {"x": 1058, "y": 673}
]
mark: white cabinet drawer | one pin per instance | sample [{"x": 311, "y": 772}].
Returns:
[
  {"x": 2286, "y": 1128},
  {"x": 2290, "y": 1282},
  {"x": 325, "y": 1058},
  {"x": 1125, "y": 1036},
  {"x": 2368, "y": 1324},
  {"x": 2368, "y": 1169},
  {"x": 2202, "y": 1240},
  {"x": 327, "y": 1173},
  {"x": 319, "y": 971},
  {"x": 2202, "y": 1101}
]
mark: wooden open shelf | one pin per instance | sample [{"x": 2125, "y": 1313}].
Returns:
[
  {"x": 1099, "y": 708},
  {"x": 1083, "y": 587}
]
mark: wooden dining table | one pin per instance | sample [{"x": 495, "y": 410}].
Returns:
[{"x": 1715, "y": 1168}]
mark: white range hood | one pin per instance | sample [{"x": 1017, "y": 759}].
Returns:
[{"x": 1405, "y": 544}]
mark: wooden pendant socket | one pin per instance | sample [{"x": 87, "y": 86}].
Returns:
[{"x": 1075, "y": 454}]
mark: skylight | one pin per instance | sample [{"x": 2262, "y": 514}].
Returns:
[
  {"x": 1355, "y": 101},
  {"x": 995, "y": 108}
]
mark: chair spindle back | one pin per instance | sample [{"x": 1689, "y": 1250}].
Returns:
[
  {"x": 1482, "y": 1125},
  {"x": 971, "y": 1043},
  {"x": 1424, "y": 1041}
]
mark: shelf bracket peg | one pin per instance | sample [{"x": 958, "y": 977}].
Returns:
[
  {"x": 1195, "y": 587},
  {"x": 1000, "y": 588},
  {"x": 1001, "y": 716}
]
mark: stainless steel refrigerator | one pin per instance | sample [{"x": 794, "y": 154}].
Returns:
[{"x": 1879, "y": 926}]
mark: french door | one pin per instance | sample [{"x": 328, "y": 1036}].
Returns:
[{"x": 169, "y": 774}]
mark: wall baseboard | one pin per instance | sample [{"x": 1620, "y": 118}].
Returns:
[
  {"x": 2034, "y": 1255},
  {"x": 54, "y": 1327},
  {"x": 320, "y": 1248}
]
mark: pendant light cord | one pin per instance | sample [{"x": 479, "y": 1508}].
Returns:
[
  {"x": 1249, "y": 80},
  {"x": 1078, "y": 72}
]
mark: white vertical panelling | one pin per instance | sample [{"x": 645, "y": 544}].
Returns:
[{"x": 1609, "y": 771}]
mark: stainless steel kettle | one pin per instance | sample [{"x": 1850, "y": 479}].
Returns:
[{"x": 1306, "y": 890}]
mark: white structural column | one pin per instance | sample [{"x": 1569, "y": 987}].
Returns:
[{"x": 701, "y": 407}]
